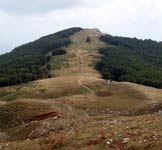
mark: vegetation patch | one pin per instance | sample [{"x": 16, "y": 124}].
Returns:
[
  {"x": 132, "y": 60},
  {"x": 29, "y": 62},
  {"x": 56, "y": 52}
]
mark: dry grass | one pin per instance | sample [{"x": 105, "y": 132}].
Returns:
[
  {"x": 153, "y": 93},
  {"x": 60, "y": 113},
  {"x": 80, "y": 49},
  {"x": 47, "y": 88},
  {"x": 104, "y": 132}
]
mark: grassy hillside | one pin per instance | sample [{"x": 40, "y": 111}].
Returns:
[
  {"x": 76, "y": 109},
  {"x": 30, "y": 61},
  {"x": 133, "y": 60}
]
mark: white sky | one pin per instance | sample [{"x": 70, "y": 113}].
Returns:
[{"x": 24, "y": 21}]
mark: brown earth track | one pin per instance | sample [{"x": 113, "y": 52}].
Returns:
[{"x": 47, "y": 115}]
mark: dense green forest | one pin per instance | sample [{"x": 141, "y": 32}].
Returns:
[
  {"x": 131, "y": 59},
  {"x": 30, "y": 61},
  {"x": 58, "y": 51}
]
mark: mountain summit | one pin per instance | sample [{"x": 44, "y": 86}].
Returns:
[{"x": 124, "y": 59}]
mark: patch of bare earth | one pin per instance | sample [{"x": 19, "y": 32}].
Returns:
[{"x": 103, "y": 94}]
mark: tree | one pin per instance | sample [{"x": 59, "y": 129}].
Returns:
[
  {"x": 88, "y": 40},
  {"x": 58, "y": 52},
  {"x": 131, "y": 59}
]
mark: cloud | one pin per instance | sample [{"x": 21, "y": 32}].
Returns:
[
  {"x": 35, "y": 6},
  {"x": 21, "y": 22},
  {"x": 42, "y": 6}
]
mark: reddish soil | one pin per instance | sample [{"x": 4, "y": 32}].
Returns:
[
  {"x": 117, "y": 145},
  {"x": 104, "y": 94},
  {"x": 96, "y": 141},
  {"x": 133, "y": 136},
  {"x": 47, "y": 115}
]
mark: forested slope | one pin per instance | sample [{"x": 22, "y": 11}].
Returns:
[
  {"x": 30, "y": 61},
  {"x": 131, "y": 59}
]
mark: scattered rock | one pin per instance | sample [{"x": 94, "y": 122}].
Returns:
[
  {"x": 3, "y": 137},
  {"x": 108, "y": 142},
  {"x": 160, "y": 112},
  {"x": 126, "y": 140},
  {"x": 115, "y": 121}
]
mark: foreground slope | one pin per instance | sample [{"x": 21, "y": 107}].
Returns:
[{"x": 77, "y": 109}]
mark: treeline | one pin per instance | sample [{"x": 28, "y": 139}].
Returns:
[
  {"x": 131, "y": 59},
  {"x": 30, "y": 61}
]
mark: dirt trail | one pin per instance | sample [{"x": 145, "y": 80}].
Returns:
[
  {"x": 2, "y": 103},
  {"x": 81, "y": 64},
  {"x": 84, "y": 86},
  {"x": 80, "y": 81}
]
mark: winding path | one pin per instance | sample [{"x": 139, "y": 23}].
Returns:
[
  {"x": 84, "y": 86},
  {"x": 80, "y": 63}
]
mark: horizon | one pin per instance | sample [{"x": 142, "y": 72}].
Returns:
[{"x": 72, "y": 27}]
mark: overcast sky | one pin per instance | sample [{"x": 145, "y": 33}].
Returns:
[{"x": 22, "y": 21}]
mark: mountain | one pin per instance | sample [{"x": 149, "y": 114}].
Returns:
[
  {"x": 30, "y": 61},
  {"x": 69, "y": 105},
  {"x": 124, "y": 59}
]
